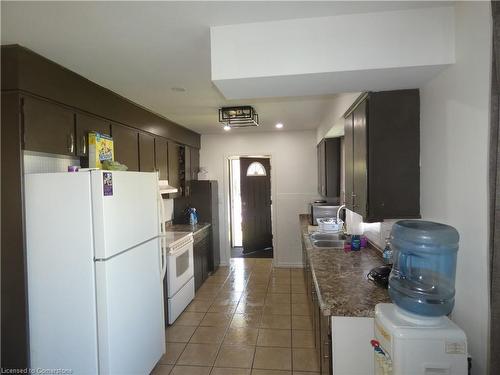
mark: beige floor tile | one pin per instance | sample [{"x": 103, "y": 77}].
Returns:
[
  {"x": 216, "y": 320},
  {"x": 302, "y": 322},
  {"x": 230, "y": 371},
  {"x": 229, "y": 309},
  {"x": 274, "y": 337},
  {"x": 249, "y": 308},
  {"x": 277, "y": 298},
  {"x": 206, "y": 296},
  {"x": 301, "y": 309},
  {"x": 208, "y": 335},
  {"x": 188, "y": 318},
  {"x": 198, "y": 355},
  {"x": 162, "y": 370},
  {"x": 305, "y": 373},
  {"x": 190, "y": 370},
  {"x": 279, "y": 288},
  {"x": 241, "y": 336},
  {"x": 177, "y": 333},
  {"x": 246, "y": 320},
  {"x": 273, "y": 358},
  {"x": 275, "y": 321},
  {"x": 302, "y": 339},
  {"x": 270, "y": 372},
  {"x": 305, "y": 360},
  {"x": 300, "y": 298},
  {"x": 298, "y": 288},
  {"x": 174, "y": 350},
  {"x": 278, "y": 309},
  {"x": 199, "y": 306},
  {"x": 235, "y": 356}
]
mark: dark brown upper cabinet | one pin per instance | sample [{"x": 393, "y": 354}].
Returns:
[
  {"x": 161, "y": 157},
  {"x": 146, "y": 153},
  {"x": 48, "y": 127},
  {"x": 174, "y": 167},
  {"x": 126, "y": 146},
  {"x": 382, "y": 155},
  {"x": 84, "y": 125},
  {"x": 329, "y": 167},
  {"x": 195, "y": 162}
]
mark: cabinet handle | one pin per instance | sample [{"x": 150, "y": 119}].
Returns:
[
  {"x": 71, "y": 143},
  {"x": 84, "y": 145},
  {"x": 353, "y": 200}
]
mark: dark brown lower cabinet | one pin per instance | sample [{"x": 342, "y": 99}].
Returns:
[
  {"x": 321, "y": 324},
  {"x": 201, "y": 252},
  {"x": 126, "y": 146}
]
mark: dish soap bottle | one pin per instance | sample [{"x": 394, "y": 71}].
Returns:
[
  {"x": 387, "y": 254},
  {"x": 193, "y": 216}
]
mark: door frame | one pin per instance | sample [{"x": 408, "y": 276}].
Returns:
[{"x": 226, "y": 239}]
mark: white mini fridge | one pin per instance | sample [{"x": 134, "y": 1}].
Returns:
[{"x": 94, "y": 272}]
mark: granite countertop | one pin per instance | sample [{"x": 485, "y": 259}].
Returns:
[
  {"x": 186, "y": 227},
  {"x": 340, "y": 278}
]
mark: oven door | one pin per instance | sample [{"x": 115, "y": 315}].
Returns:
[{"x": 180, "y": 268}]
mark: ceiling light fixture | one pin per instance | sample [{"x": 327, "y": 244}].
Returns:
[
  {"x": 227, "y": 127},
  {"x": 238, "y": 117},
  {"x": 279, "y": 125}
]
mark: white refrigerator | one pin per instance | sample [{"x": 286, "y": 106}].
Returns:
[{"x": 94, "y": 272}]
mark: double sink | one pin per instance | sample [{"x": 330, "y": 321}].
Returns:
[{"x": 321, "y": 240}]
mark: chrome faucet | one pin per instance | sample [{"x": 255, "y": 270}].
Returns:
[{"x": 338, "y": 212}]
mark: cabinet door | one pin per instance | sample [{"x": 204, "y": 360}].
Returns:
[
  {"x": 321, "y": 168},
  {"x": 161, "y": 157},
  {"x": 187, "y": 170},
  {"x": 48, "y": 127},
  {"x": 197, "y": 265},
  {"x": 195, "y": 162},
  {"x": 332, "y": 167},
  {"x": 84, "y": 125},
  {"x": 326, "y": 355},
  {"x": 126, "y": 145},
  {"x": 348, "y": 161},
  {"x": 360, "y": 174},
  {"x": 173, "y": 166},
  {"x": 146, "y": 153}
]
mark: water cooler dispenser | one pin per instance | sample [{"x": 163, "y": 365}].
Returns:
[{"x": 413, "y": 335}]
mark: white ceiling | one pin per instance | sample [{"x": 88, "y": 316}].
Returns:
[{"x": 142, "y": 49}]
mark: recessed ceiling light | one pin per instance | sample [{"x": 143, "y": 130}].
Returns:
[
  {"x": 178, "y": 89},
  {"x": 279, "y": 125},
  {"x": 227, "y": 127}
]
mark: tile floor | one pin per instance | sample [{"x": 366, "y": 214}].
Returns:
[{"x": 246, "y": 319}]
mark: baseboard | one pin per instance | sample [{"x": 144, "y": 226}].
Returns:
[{"x": 288, "y": 265}]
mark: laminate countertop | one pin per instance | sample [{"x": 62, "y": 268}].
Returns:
[{"x": 340, "y": 278}]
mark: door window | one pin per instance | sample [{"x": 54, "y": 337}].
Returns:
[
  {"x": 256, "y": 169},
  {"x": 182, "y": 263}
]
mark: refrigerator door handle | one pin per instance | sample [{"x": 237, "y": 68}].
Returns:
[{"x": 164, "y": 261}]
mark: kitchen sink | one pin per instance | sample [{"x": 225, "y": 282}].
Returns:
[
  {"x": 327, "y": 236},
  {"x": 328, "y": 243}
]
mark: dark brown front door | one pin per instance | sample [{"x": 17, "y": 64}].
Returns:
[{"x": 255, "y": 187}]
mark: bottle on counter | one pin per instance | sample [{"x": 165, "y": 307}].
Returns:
[
  {"x": 387, "y": 254},
  {"x": 193, "y": 216},
  {"x": 355, "y": 242}
]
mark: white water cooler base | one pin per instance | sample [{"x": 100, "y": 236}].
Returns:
[{"x": 416, "y": 345}]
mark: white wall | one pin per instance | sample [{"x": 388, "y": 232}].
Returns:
[
  {"x": 315, "y": 56},
  {"x": 454, "y": 166},
  {"x": 332, "y": 124},
  {"x": 293, "y": 181}
]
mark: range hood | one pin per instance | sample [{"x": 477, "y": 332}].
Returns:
[{"x": 165, "y": 188}]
